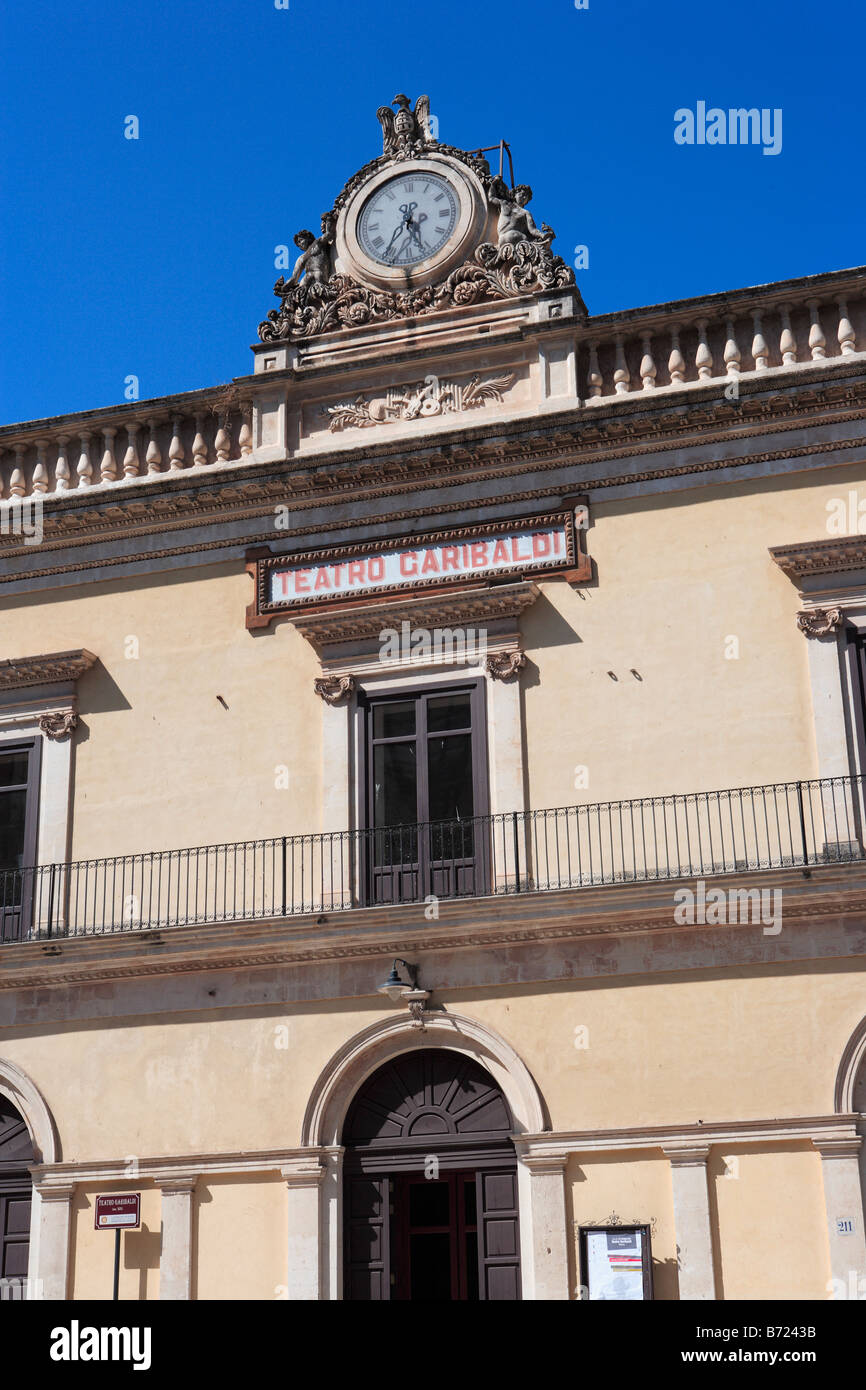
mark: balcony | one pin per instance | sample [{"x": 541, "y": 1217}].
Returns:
[{"x": 784, "y": 825}]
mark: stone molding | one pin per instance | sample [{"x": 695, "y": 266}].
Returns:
[
  {"x": 53, "y": 668},
  {"x": 686, "y": 1155},
  {"x": 459, "y": 608},
  {"x": 572, "y": 439},
  {"x": 853, "y": 1058},
  {"x": 21, "y": 1092},
  {"x": 562, "y": 915},
  {"x": 394, "y": 1035},
  {"x": 824, "y": 557},
  {"x": 543, "y": 1152}
]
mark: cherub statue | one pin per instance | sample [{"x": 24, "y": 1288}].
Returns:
[
  {"x": 403, "y": 129},
  {"x": 516, "y": 222},
  {"x": 316, "y": 261}
]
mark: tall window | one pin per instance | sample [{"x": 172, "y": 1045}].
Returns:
[
  {"x": 427, "y": 790},
  {"x": 19, "y": 782}
]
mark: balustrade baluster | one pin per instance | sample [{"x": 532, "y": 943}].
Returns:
[
  {"x": 130, "y": 459},
  {"x": 676, "y": 361},
  {"x": 648, "y": 368},
  {"x": 175, "y": 448},
  {"x": 85, "y": 467},
  {"x": 703, "y": 356},
  {"x": 621, "y": 376},
  {"x": 61, "y": 468},
  {"x": 108, "y": 466},
  {"x": 817, "y": 341},
  {"x": 199, "y": 447},
  {"x": 760, "y": 351},
  {"x": 787, "y": 341},
  {"x": 17, "y": 486},
  {"x": 245, "y": 436},
  {"x": 732, "y": 352},
  {"x": 40, "y": 472},
  {"x": 845, "y": 332},
  {"x": 153, "y": 457},
  {"x": 594, "y": 376},
  {"x": 223, "y": 442}
]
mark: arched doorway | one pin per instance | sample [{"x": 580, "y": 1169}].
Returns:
[
  {"x": 16, "y": 1189},
  {"x": 430, "y": 1183}
]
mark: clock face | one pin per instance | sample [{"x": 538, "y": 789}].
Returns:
[{"x": 408, "y": 219}]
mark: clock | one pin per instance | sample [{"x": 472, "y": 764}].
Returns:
[
  {"x": 408, "y": 219},
  {"x": 412, "y": 223}
]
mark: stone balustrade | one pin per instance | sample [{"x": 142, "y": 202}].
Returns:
[
  {"x": 110, "y": 448},
  {"x": 624, "y": 355},
  {"x": 775, "y": 330}
]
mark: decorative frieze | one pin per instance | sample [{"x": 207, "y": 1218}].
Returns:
[
  {"x": 418, "y": 401},
  {"x": 54, "y": 668}
]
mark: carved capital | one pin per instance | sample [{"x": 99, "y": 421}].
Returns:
[
  {"x": 818, "y": 622},
  {"x": 503, "y": 666},
  {"x": 58, "y": 726},
  {"x": 333, "y": 689}
]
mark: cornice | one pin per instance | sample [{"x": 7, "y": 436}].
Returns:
[
  {"x": 53, "y": 668},
  {"x": 576, "y": 437},
  {"x": 561, "y": 915},
  {"x": 689, "y": 1143},
  {"x": 460, "y": 608},
  {"x": 829, "y": 556}
]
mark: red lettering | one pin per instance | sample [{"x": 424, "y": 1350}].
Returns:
[
  {"x": 408, "y": 562},
  {"x": 431, "y": 563},
  {"x": 322, "y": 580},
  {"x": 540, "y": 545},
  {"x": 479, "y": 554},
  {"x": 302, "y": 581},
  {"x": 466, "y": 561},
  {"x": 500, "y": 553},
  {"x": 515, "y": 550},
  {"x": 557, "y": 541},
  {"x": 450, "y": 560},
  {"x": 284, "y": 583},
  {"x": 338, "y": 569},
  {"x": 356, "y": 571},
  {"x": 375, "y": 568}
]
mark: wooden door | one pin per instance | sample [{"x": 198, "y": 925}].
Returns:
[{"x": 16, "y": 1188}]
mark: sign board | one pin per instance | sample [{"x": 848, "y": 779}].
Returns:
[
  {"x": 616, "y": 1263},
  {"x": 118, "y": 1211},
  {"x": 463, "y": 555}
]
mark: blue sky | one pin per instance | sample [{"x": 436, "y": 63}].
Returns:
[{"x": 155, "y": 257}]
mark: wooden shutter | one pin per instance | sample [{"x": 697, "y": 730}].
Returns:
[
  {"x": 367, "y": 1223},
  {"x": 498, "y": 1236}
]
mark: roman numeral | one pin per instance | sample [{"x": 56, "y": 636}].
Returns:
[
  {"x": 378, "y": 241},
  {"x": 409, "y": 186},
  {"x": 372, "y": 226},
  {"x": 439, "y": 197}
]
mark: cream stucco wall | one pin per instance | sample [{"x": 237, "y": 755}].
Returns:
[
  {"x": 677, "y": 578},
  {"x": 159, "y": 762},
  {"x": 668, "y": 1050}
]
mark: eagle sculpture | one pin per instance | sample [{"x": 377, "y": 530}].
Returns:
[{"x": 404, "y": 129}]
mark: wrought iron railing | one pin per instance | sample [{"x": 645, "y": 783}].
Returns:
[{"x": 688, "y": 835}]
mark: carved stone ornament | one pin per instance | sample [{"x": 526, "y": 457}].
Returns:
[
  {"x": 418, "y": 401},
  {"x": 58, "y": 726},
  {"x": 333, "y": 689},
  {"x": 314, "y": 300},
  {"x": 503, "y": 666},
  {"x": 818, "y": 622}
]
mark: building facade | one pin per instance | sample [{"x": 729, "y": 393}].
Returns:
[{"x": 431, "y": 787}]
